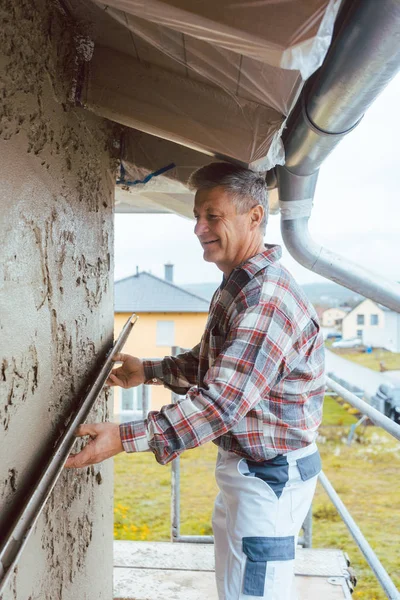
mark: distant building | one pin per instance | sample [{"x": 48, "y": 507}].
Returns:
[
  {"x": 375, "y": 324},
  {"x": 204, "y": 290},
  {"x": 333, "y": 317},
  {"x": 168, "y": 316},
  {"x": 319, "y": 309}
]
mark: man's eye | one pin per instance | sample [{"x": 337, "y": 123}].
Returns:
[{"x": 212, "y": 216}]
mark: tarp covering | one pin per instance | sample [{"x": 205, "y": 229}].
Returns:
[
  {"x": 219, "y": 78},
  {"x": 143, "y": 154},
  {"x": 144, "y": 187},
  {"x": 289, "y": 34}
]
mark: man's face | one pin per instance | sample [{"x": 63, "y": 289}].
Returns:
[{"x": 226, "y": 236}]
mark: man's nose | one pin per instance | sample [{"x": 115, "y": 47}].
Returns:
[{"x": 201, "y": 227}]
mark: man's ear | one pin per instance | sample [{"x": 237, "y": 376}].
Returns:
[{"x": 256, "y": 216}]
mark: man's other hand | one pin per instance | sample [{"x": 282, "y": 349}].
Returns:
[
  {"x": 129, "y": 374},
  {"x": 105, "y": 442}
]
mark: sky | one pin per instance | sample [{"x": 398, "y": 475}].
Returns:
[{"x": 356, "y": 211}]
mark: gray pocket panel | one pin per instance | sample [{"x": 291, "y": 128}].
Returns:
[
  {"x": 260, "y": 550},
  {"x": 309, "y": 466},
  {"x": 275, "y": 472}
]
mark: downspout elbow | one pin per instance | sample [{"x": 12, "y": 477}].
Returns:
[{"x": 337, "y": 268}]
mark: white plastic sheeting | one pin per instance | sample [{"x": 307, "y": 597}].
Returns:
[
  {"x": 183, "y": 110},
  {"x": 288, "y": 34},
  {"x": 219, "y": 77}
]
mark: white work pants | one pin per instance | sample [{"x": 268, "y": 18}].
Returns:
[{"x": 257, "y": 518}]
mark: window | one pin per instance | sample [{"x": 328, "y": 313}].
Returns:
[
  {"x": 359, "y": 333},
  {"x": 132, "y": 398},
  {"x": 374, "y": 319},
  {"x": 132, "y": 403},
  {"x": 165, "y": 333},
  {"x": 360, "y": 319}
]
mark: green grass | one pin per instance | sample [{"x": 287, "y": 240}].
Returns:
[
  {"x": 366, "y": 475},
  {"x": 142, "y": 495},
  {"x": 390, "y": 360},
  {"x": 335, "y": 414}
]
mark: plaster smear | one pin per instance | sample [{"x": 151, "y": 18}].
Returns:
[{"x": 56, "y": 306}]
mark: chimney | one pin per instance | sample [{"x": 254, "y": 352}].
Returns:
[{"x": 169, "y": 272}]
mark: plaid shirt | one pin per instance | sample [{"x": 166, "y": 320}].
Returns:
[{"x": 255, "y": 383}]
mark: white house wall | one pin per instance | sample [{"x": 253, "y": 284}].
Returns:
[
  {"x": 375, "y": 335},
  {"x": 331, "y": 315},
  {"x": 387, "y": 336},
  {"x": 56, "y": 301}
]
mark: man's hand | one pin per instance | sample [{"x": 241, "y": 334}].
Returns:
[
  {"x": 105, "y": 442},
  {"x": 130, "y": 374}
]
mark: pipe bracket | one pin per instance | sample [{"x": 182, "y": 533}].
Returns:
[{"x": 318, "y": 130}]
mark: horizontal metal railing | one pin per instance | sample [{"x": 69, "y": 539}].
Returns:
[
  {"x": 393, "y": 429},
  {"x": 14, "y": 542},
  {"x": 381, "y": 574},
  {"x": 366, "y": 409}
]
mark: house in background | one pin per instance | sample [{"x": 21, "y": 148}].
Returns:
[
  {"x": 333, "y": 317},
  {"x": 374, "y": 324},
  {"x": 319, "y": 310},
  {"x": 204, "y": 290},
  {"x": 168, "y": 316}
]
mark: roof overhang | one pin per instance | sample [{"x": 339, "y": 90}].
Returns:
[{"x": 199, "y": 81}]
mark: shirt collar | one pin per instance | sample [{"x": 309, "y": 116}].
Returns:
[{"x": 253, "y": 265}]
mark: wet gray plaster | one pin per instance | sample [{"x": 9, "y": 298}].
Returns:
[{"x": 56, "y": 307}]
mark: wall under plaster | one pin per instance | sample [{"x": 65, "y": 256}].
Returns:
[{"x": 56, "y": 300}]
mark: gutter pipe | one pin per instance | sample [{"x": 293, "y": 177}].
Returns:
[{"x": 363, "y": 58}]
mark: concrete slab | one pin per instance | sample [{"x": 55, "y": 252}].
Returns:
[
  {"x": 366, "y": 379},
  {"x": 393, "y": 376},
  {"x": 164, "y": 555},
  {"x": 174, "y": 571},
  {"x": 320, "y": 562},
  {"x": 163, "y": 584},
  {"x": 316, "y": 588}
]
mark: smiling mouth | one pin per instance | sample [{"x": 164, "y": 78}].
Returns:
[{"x": 210, "y": 242}]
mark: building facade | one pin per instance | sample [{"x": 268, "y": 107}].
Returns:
[
  {"x": 57, "y": 181},
  {"x": 374, "y": 324},
  {"x": 168, "y": 316},
  {"x": 333, "y": 317}
]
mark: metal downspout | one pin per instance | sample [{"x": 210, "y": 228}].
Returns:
[{"x": 363, "y": 58}]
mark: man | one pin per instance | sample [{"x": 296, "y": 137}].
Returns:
[{"x": 254, "y": 385}]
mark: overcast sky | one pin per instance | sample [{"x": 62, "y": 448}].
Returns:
[{"x": 356, "y": 210}]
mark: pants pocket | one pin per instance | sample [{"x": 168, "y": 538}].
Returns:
[
  {"x": 274, "y": 472},
  {"x": 259, "y": 551},
  {"x": 309, "y": 466}
]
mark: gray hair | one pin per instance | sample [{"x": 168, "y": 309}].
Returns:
[{"x": 246, "y": 187}]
